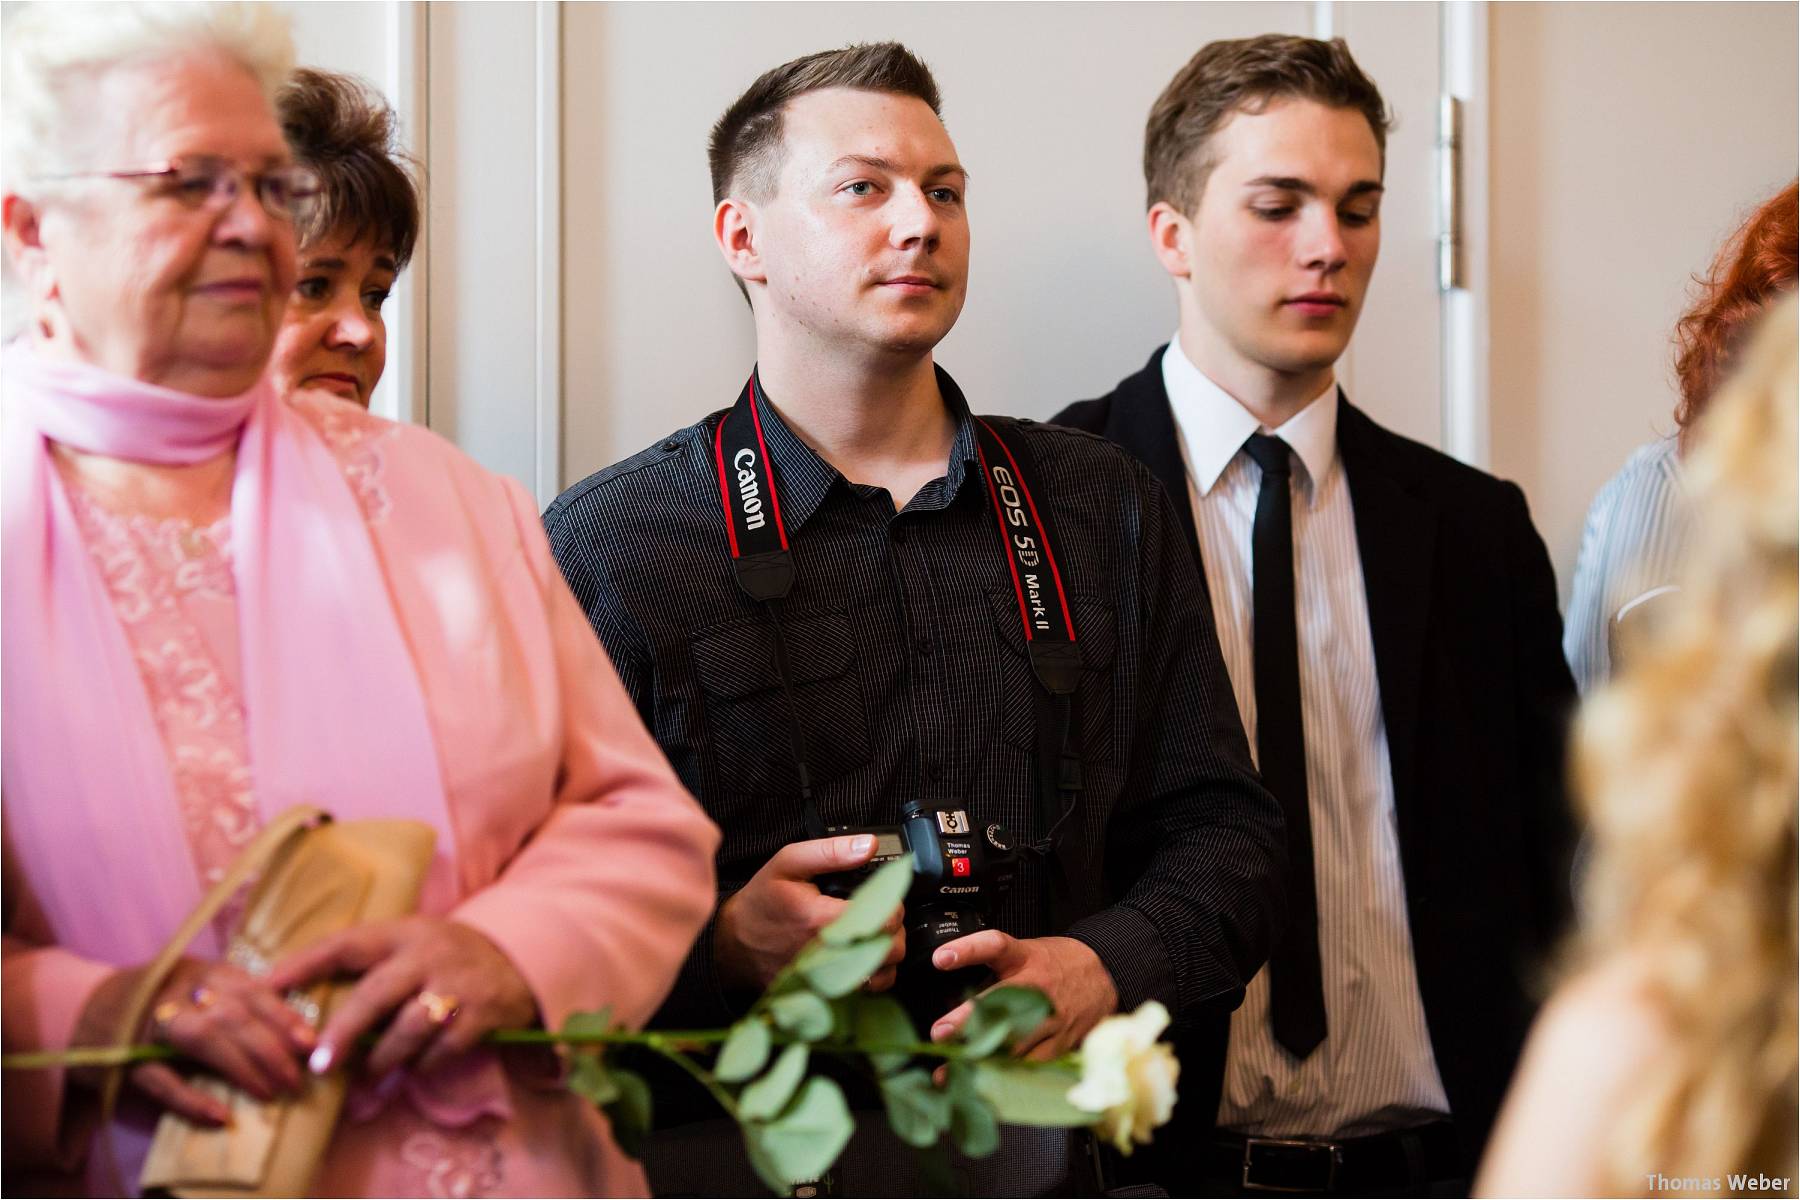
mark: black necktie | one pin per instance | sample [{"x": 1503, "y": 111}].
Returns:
[{"x": 1297, "y": 996}]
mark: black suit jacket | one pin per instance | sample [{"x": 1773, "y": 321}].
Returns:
[{"x": 1475, "y": 695}]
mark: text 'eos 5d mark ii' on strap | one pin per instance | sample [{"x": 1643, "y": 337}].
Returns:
[{"x": 1055, "y": 656}]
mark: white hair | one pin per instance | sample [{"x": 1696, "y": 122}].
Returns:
[{"x": 52, "y": 49}]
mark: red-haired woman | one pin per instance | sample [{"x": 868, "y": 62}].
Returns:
[{"x": 1634, "y": 530}]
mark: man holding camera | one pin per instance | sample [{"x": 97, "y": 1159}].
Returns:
[{"x": 849, "y": 604}]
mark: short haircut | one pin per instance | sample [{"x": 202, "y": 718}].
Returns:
[
  {"x": 1755, "y": 267},
  {"x": 1246, "y": 75},
  {"x": 746, "y": 146},
  {"x": 342, "y": 128}
]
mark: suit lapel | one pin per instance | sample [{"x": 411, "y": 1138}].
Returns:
[
  {"x": 1396, "y": 529},
  {"x": 1141, "y": 420}
]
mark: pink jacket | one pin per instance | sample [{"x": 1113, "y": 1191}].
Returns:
[{"x": 577, "y": 851}]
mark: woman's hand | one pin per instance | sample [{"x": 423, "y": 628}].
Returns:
[
  {"x": 232, "y": 1023},
  {"x": 444, "y": 985}
]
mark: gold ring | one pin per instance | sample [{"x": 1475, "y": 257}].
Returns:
[
  {"x": 161, "y": 1015},
  {"x": 439, "y": 1008}
]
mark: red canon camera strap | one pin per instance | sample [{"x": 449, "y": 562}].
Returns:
[
  {"x": 761, "y": 558},
  {"x": 1037, "y": 580}
]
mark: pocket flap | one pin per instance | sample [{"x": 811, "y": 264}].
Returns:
[
  {"x": 739, "y": 659},
  {"x": 1094, "y": 632}
]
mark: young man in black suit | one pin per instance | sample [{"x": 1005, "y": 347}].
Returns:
[{"x": 1388, "y": 617}]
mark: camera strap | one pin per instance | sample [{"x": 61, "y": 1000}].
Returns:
[
  {"x": 1055, "y": 656},
  {"x": 760, "y": 556},
  {"x": 762, "y": 562}
]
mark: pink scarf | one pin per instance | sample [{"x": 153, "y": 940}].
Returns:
[{"x": 336, "y": 716}]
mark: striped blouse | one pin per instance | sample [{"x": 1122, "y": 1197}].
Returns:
[{"x": 1630, "y": 545}]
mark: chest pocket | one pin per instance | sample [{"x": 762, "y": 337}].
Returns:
[
  {"x": 747, "y": 711},
  {"x": 1096, "y": 637}
]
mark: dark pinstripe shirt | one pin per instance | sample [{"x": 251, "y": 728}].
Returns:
[{"x": 908, "y": 662}]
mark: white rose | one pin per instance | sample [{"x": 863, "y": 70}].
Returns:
[{"x": 1127, "y": 1076}]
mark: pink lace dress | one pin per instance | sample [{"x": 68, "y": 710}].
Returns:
[{"x": 171, "y": 585}]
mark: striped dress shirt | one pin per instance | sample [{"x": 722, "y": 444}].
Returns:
[
  {"x": 1375, "y": 1070},
  {"x": 1631, "y": 543}
]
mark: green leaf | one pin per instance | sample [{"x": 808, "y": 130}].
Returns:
[
  {"x": 630, "y": 1113},
  {"x": 806, "y": 1140},
  {"x": 766, "y": 1168},
  {"x": 802, "y": 1014},
  {"x": 744, "y": 1052},
  {"x": 916, "y": 1111},
  {"x": 882, "y": 1021},
  {"x": 761, "y": 1100},
  {"x": 871, "y": 904},
  {"x": 1003, "y": 1016},
  {"x": 588, "y": 1024},
  {"x": 839, "y": 970},
  {"x": 1030, "y": 1093},
  {"x": 589, "y": 1079},
  {"x": 972, "y": 1121},
  {"x": 983, "y": 1037}
]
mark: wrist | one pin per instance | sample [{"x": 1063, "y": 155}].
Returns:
[
  {"x": 98, "y": 1023},
  {"x": 1092, "y": 972},
  {"x": 518, "y": 1006},
  {"x": 727, "y": 952}
]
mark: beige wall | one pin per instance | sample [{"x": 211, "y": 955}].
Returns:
[
  {"x": 1628, "y": 140},
  {"x": 1046, "y": 103}
]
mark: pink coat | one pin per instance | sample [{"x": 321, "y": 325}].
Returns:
[{"x": 576, "y": 850}]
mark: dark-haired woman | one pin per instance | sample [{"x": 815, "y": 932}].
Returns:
[
  {"x": 354, "y": 244},
  {"x": 1635, "y": 528}
]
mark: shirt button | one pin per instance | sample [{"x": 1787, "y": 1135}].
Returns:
[
  {"x": 934, "y": 771},
  {"x": 671, "y": 446},
  {"x": 924, "y": 645},
  {"x": 898, "y": 532}
]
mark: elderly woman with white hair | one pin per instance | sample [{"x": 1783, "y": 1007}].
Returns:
[{"x": 219, "y": 603}]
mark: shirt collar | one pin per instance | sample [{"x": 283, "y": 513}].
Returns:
[
  {"x": 805, "y": 479},
  {"x": 1214, "y": 426},
  {"x": 801, "y": 477},
  {"x": 965, "y": 455}
]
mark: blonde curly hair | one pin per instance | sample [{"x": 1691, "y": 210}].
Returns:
[{"x": 1687, "y": 764}]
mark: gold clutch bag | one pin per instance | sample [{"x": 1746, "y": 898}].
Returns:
[{"x": 314, "y": 877}]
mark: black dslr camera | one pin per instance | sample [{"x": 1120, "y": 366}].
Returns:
[{"x": 959, "y": 871}]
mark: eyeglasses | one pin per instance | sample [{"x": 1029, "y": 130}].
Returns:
[{"x": 207, "y": 181}]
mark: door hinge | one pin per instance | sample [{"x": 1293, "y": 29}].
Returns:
[{"x": 1449, "y": 193}]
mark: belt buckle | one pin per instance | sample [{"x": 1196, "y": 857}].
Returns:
[{"x": 1328, "y": 1154}]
